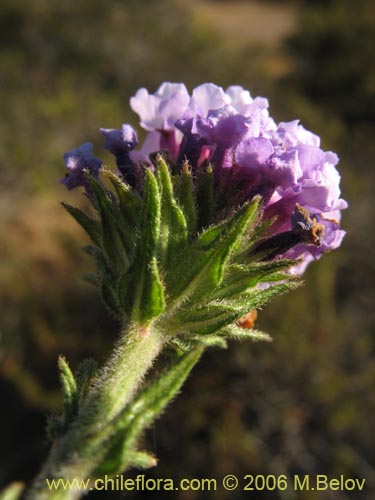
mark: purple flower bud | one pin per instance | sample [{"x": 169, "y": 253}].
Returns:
[
  {"x": 77, "y": 162},
  {"x": 120, "y": 143}
]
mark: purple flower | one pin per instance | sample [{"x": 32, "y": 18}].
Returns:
[
  {"x": 224, "y": 119},
  {"x": 77, "y": 162},
  {"x": 150, "y": 145},
  {"x": 205, "y": 98},
  {"x": 250, "y": 155},
  {"x": 219, "y": 132},
  {"x": 120, "y": 143},
  {"x": 158, "y": 113}
]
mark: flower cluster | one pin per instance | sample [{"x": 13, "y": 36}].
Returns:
[{"x": 250, "y": 155}]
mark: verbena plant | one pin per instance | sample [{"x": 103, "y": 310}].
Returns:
[{"x": 220, "y": 210}]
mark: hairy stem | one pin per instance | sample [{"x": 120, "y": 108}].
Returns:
[
  {"x": 122, "y": 375},
  {"x": 115, "y": 386}
]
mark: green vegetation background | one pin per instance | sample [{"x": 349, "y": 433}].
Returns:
[{"x": 301, "y": 405}]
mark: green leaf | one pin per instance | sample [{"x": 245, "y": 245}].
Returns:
[
  {"x": 100, "y": 195},
  {"x": 110, "y": 299},
  {"x": 153, "y": 302},
  {"x": 124, "y": 432},
  {"x": 103, "y": 266},
  {"x": 186, "y": 199},
  {"x": 173, "y": 227},
  {"x": 236, "y": 332},
  {"x": 113, "y": 244},
  {"x": 180, "y": 345},
  {"x": 69, "y": 387},
  {"x": 202, "y": 265},
  {"x": 260, "y": 229},
  {"x": 155, "y": 397},
  {"x": 117, "y": 240},
  {"x": 130, "y": 202},
  {"x": 211, "y": 317},
  {"x": 141, "y": 460},
  {"x": 125, "y": 289},
  {"x": 114, "y": 462},
  {"x": 150, "y": 217},
  {"x": 208, "y": 319},
  {"x": 211, "y": 235},
  {"x": 91, "y": 226},
  {"x": 255, "y": 298},
  {"x": 86, "y": 372},
  {"x": 148, "y": 292},
  {"x": 238, "y": 278},
  {"x": 12, "y": 492},
  {"x": 212, "y": 341}
]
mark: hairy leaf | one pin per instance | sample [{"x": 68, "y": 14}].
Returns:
[
  {"x": 125, "y": 430},
  {"x": 148, "y": 292},
  {"x": 91, "y": 226},
  {"x": 202, "y": 265},
  {"x": 173, "y": 227}
]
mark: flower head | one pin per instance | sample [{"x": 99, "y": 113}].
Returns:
[{"x": 249, "y": 153}]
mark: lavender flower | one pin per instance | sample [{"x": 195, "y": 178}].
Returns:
[
  {"x": 77, "y": 161},
  {"x": 159, "y": 112},
  {"x": 250, "y": 155}
]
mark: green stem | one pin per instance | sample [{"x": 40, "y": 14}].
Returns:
[
  {"x": 115, "y": 387},
  {"x": 124, "y": 372}
]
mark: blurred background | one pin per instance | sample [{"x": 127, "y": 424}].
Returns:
[{"x": 300, "y": 405}]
